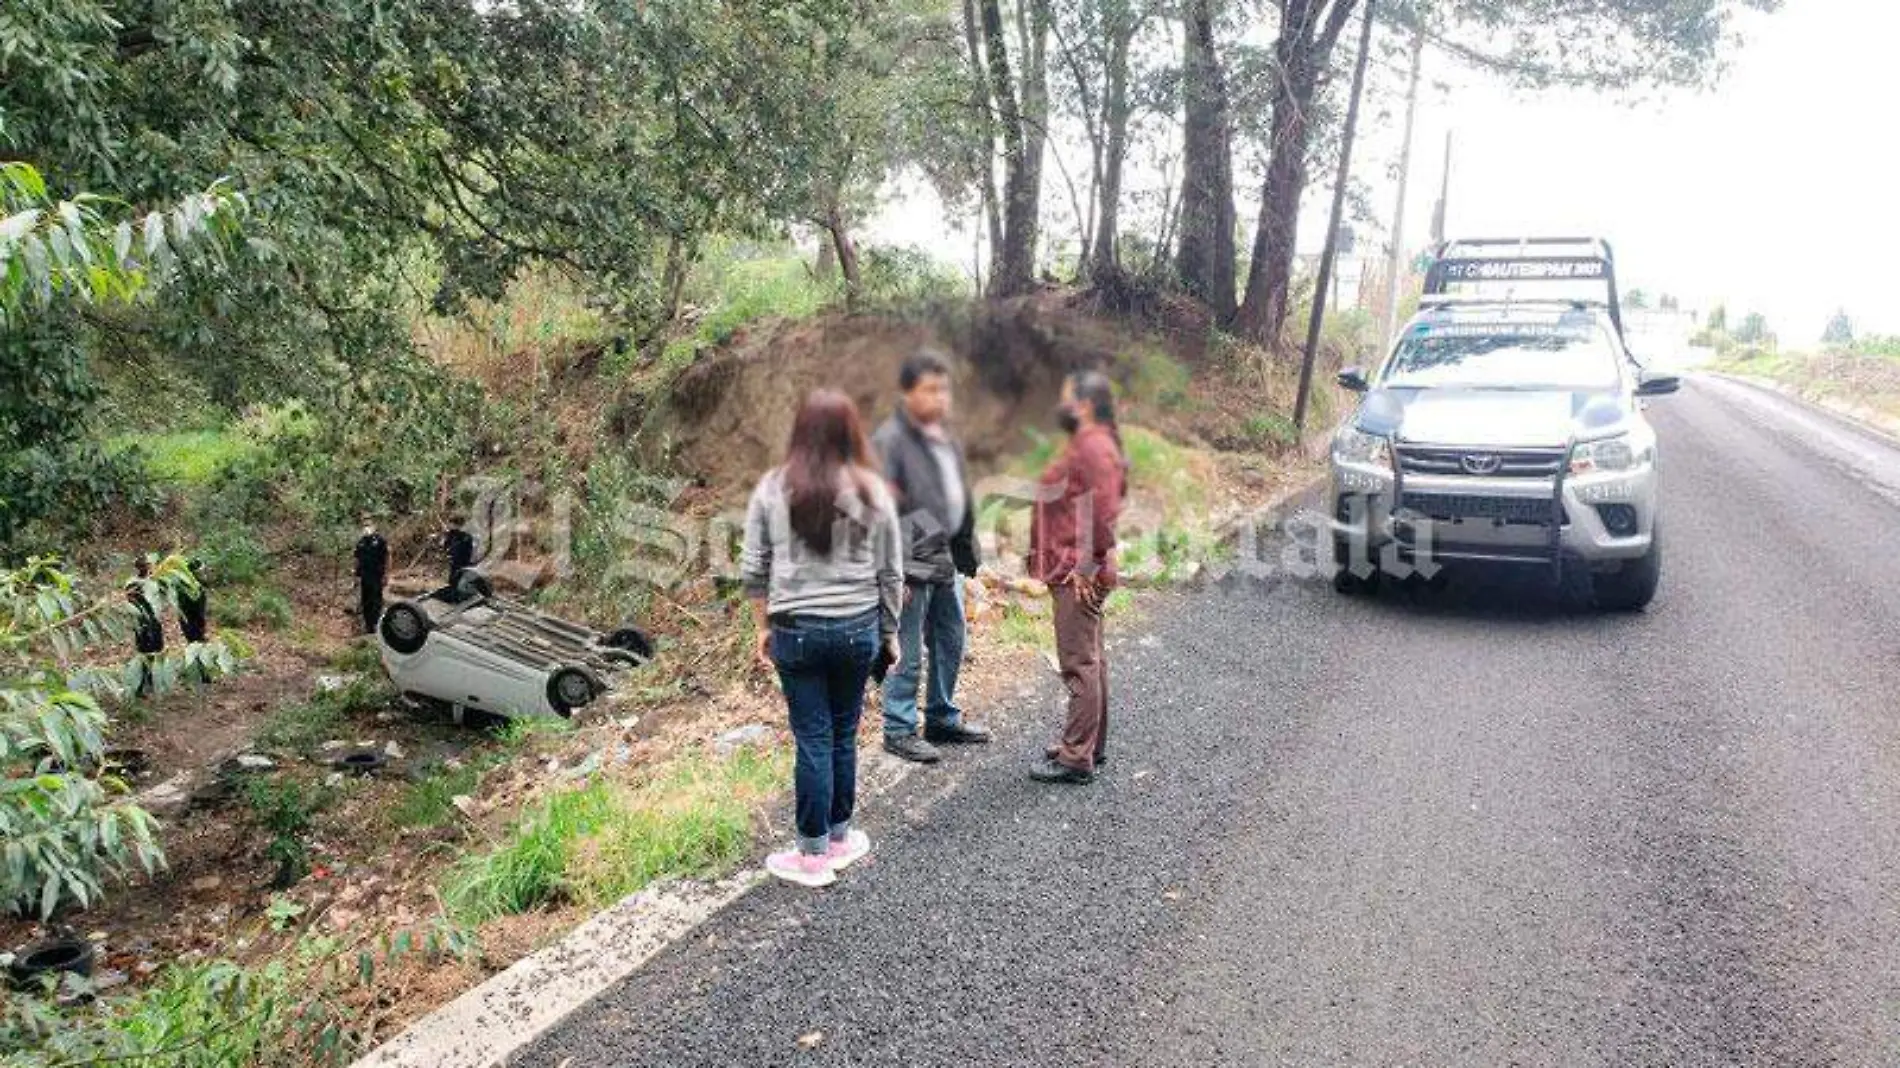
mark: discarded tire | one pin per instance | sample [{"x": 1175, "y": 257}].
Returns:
[
  {"x": 405, "y": 628},
  {"x": 360, "y": 762},
  {"x": 569, "y": 689},
  {"x": 631, "y": 640},
  {"x": 51, "y": 956}
]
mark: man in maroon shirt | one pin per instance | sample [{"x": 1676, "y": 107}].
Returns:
[{"x": 1072, "y": 551}]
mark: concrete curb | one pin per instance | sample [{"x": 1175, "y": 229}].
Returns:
[{"x": 485, "y": 1025}]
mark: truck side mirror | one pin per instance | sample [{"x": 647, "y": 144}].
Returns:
[
  {"x": 1655, "y": 385},
  {"x": 1354, "y": 379}
]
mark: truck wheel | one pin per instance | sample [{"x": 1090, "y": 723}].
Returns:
[
  {"x": 1631, "y": 587},
  {"x": 1344, "y": 581},
  {"x": 569, "y": 689},
  {"x": 405, "y": 628}
]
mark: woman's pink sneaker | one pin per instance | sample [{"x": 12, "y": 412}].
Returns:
[
  {"x": 843, "y": 853},
  {"x": 805, "y": 869}
]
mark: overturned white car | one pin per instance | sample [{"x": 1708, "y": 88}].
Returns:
[{"x": 479, "y": 652}]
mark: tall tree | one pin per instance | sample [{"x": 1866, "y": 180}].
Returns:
[
  {"x": 1022, "y": 111},
  {"x": 1206, "y": 254},
  {"x": 1840, "y": 330},
  {"x": 1309, "y": 31}
]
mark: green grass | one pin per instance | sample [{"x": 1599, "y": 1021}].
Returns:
[
  {"x": 603, "y": 841},
  {"x": 1159, "y": 379},
  {"x": 529, "y": 869},
  {"x": 1266, "y": 429},
  {"x": 1023, "y": 629},
  {"x": 429, "y": 802},
  {"x": 324, "y": 717},
  {"x": 695, "y": 822},
  {"x": 1160, "y": 467},
  {"x": 191, "y": 458}
]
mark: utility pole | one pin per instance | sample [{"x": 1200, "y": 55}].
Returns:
[
  {"x": 1394, "y": 265},
  {"x": 1332, "y": 230}
]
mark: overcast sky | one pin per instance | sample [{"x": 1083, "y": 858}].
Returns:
[{"x": 1777, "y": 191}]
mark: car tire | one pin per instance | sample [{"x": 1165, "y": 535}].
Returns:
[
  {"x": 51, "y": 956},
  {"x": 570, "y": 689},
  {"x": 404, "y": 628},
  {"x": 1631, "y": 587}
]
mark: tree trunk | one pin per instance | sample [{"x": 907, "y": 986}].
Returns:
[
  {"x": 827, "y": 260},
  {"x": 1206, "y": 258},
  {"x": 1114, "y": 150},
  {"x": 846, "y": 249},
  {"x": 1013, "y": 268},
  {"x": 1308, "y": 31},
  {"x": 980, "y": 101}
]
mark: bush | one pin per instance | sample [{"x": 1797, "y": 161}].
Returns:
[
  {"x": 66, "y": 825},
  {"x": 284, "y": 809}
]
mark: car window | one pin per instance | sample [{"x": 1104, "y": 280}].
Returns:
[{"x": 1503, "y": 356}]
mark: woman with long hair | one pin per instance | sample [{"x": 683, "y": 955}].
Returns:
[
  {"x": 1072, "y": 550},
  {"x": 823, "y": 567}
]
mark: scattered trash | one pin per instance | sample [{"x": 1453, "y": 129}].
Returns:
[
  {"x": 129, "y": 763},
  {"x": 810, "y": 1040},
  {"x": 393, "y": 751},
  {"x": 333, "y": 780},
  {"x": 61, "y": 953},
  {"x": 753, "y": 734},
  {"x": 1171, "y": 895},
  {"x": 629, "y": 723},
  {"x": 253, "y": 762},
  {"x": 207, "y": 882},
  {"x": 332, "y": 746},
  {"x": 110, "y": 979},
  {"x": 331, "y": 683},
  {"x": 464, "y": 804}
]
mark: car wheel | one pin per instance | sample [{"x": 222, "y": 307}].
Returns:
[
  {"x": 1631, "y": 587},
  {"x": 569, "y": 689},
  {"x": 405, "y": 628}
]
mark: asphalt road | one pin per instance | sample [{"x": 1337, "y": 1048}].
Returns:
[{"x": 1450, "y": 828}]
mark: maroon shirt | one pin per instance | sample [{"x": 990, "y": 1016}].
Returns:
[{"x": 1072, "y": 530}]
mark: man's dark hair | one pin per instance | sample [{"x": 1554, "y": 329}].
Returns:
[{"x": 918, "y": 364}]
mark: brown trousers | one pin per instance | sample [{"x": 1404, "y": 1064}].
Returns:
[{"x": 1085, "y": 675}]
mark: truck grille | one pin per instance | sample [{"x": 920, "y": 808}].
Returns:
[
  {"x": 1511, "y": 463},
  {"x": 1467, "y": 506}
]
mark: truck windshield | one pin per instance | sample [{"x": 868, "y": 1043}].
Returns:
[{"x": 1502, "y": 356}]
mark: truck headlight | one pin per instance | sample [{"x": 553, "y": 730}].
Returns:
[
  {"x": 1613, "y": 454},
  {"x": 1355, "y": 446}
]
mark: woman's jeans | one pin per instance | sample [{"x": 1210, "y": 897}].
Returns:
[{"x": 823, "y": 664}]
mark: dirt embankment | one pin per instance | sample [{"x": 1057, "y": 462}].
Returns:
[{"x": 727, "y": 417}]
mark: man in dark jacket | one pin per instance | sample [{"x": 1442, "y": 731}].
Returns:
[
  {"x": 194, "y": 605},
  {"x": 926, "y": 471},
  {"x": 459, "y": 544},
  {"x": 372, "y": 567}
]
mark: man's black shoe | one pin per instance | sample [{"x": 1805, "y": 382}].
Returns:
[
  {"x": 1101, "y": 759},
  {"x": 912, "y": 748},
  {"x": 1051, "y": 772},
  {"x": 957, "y": 734}
]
